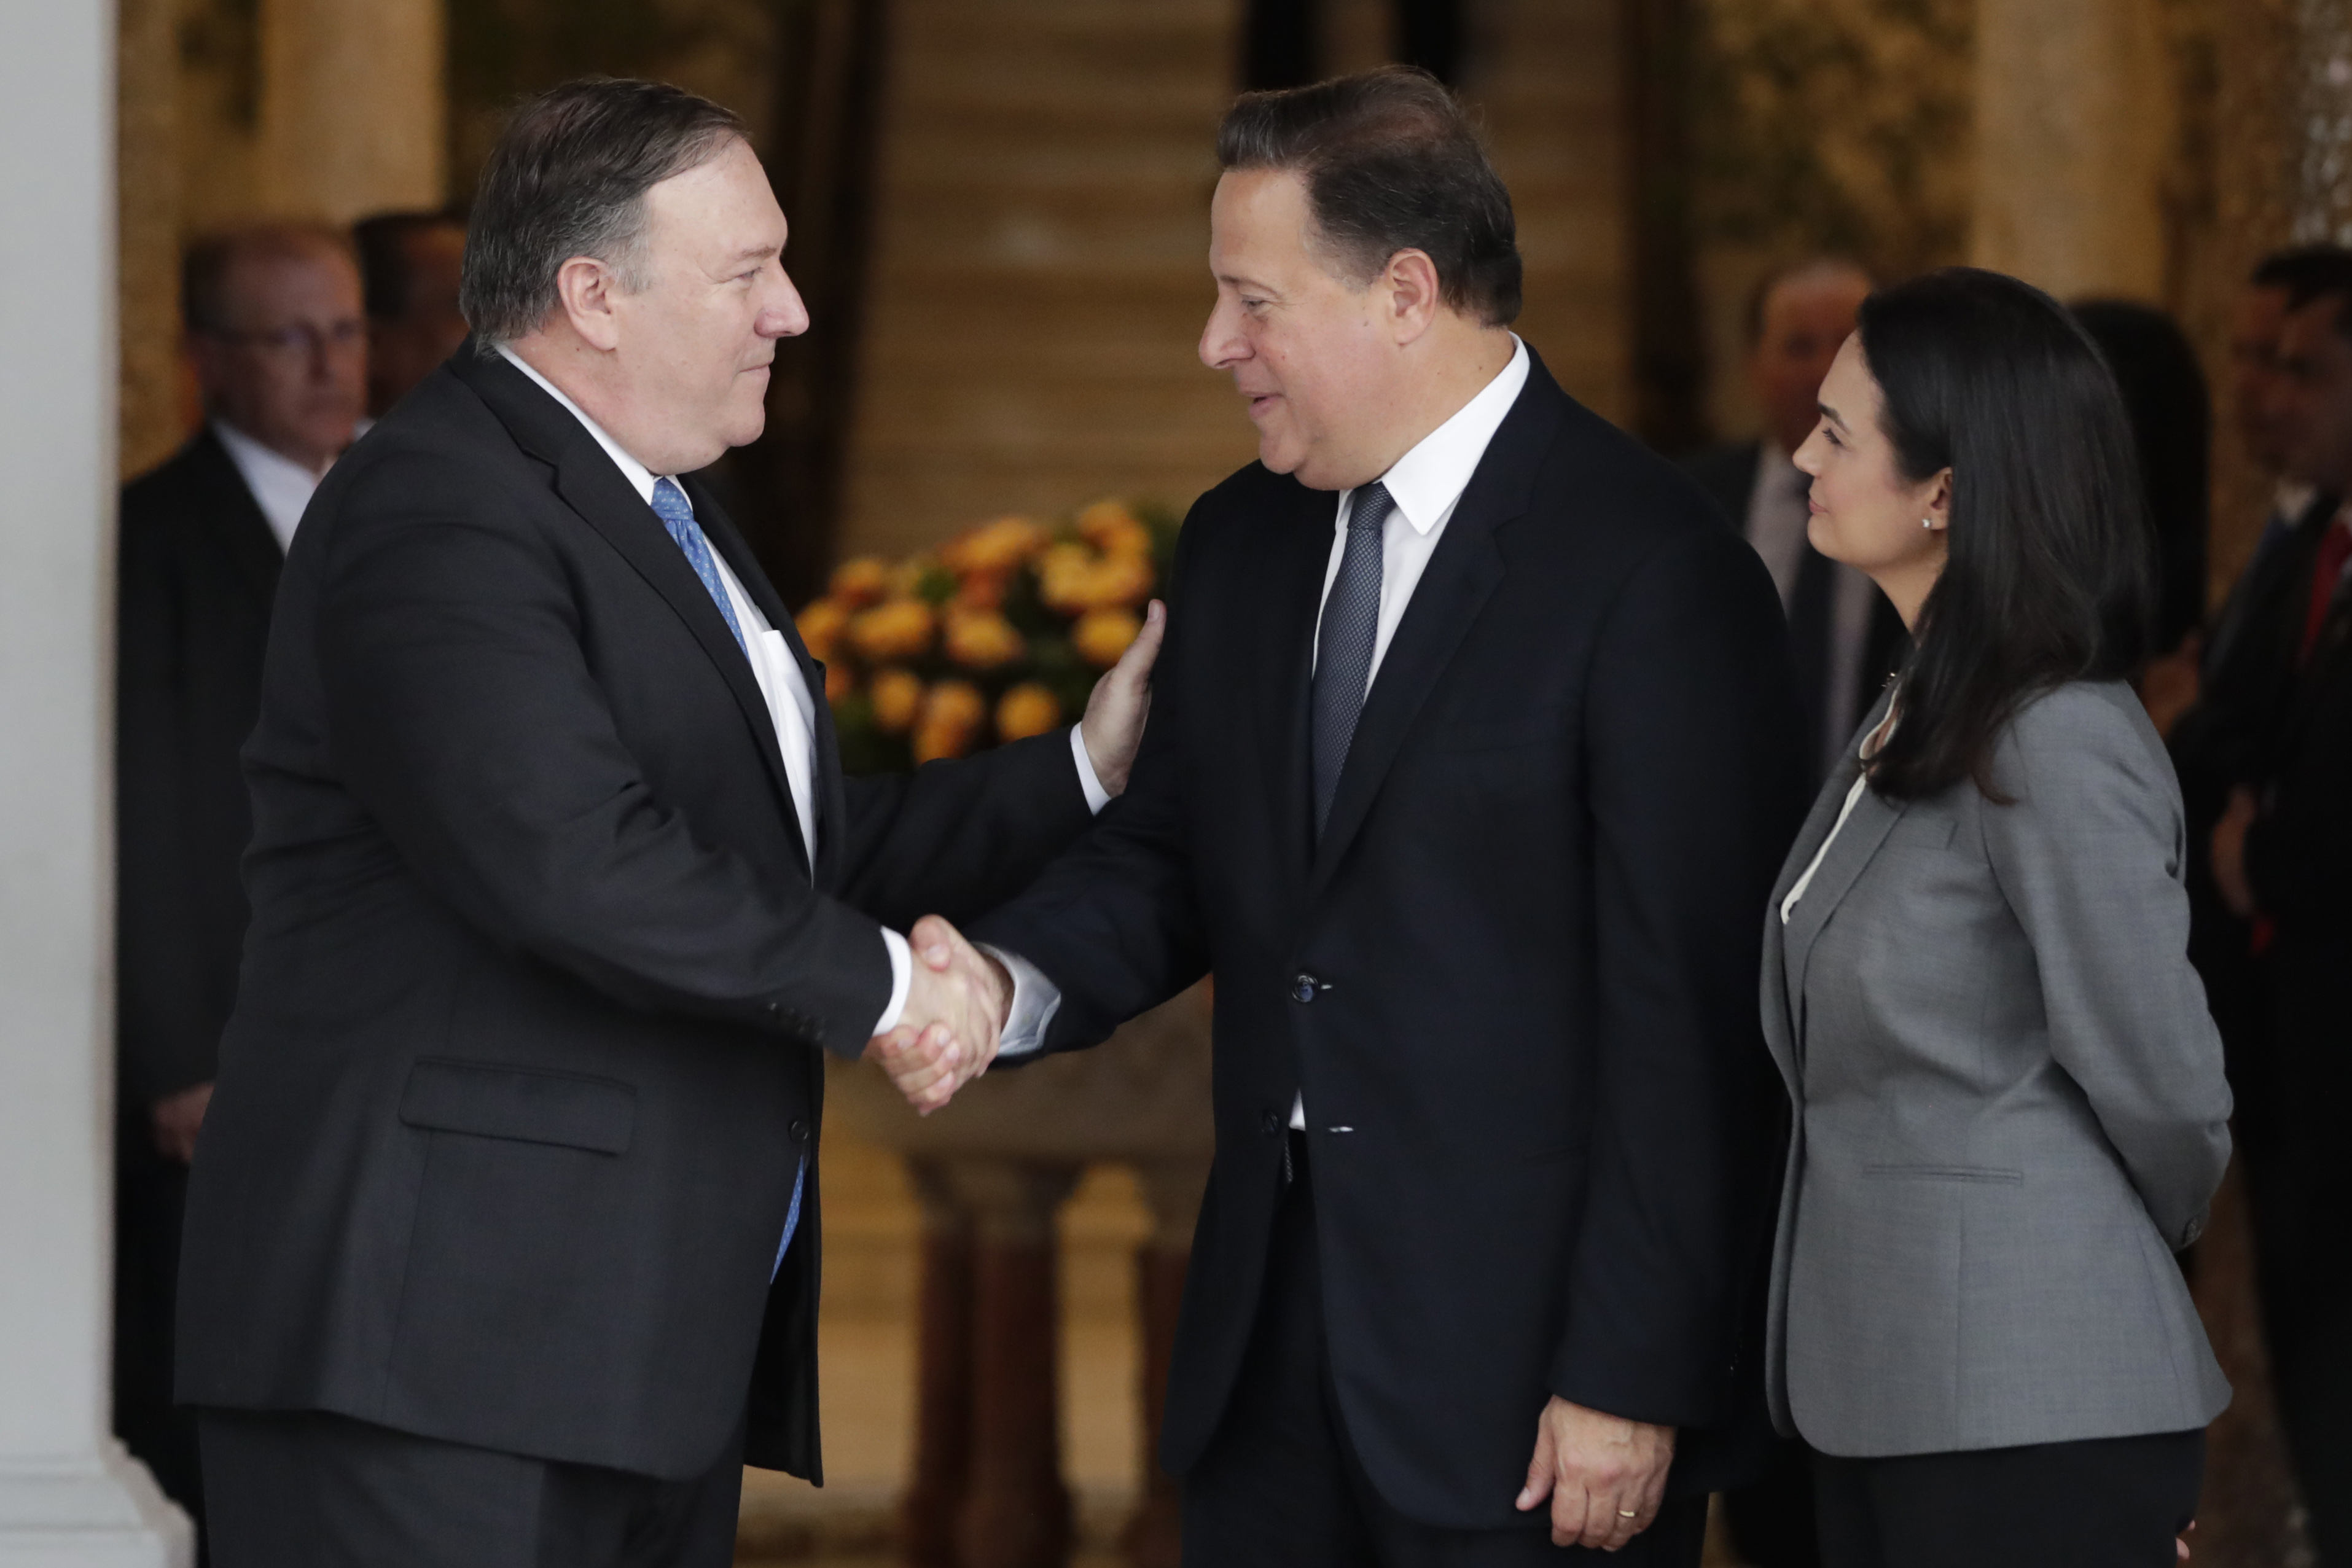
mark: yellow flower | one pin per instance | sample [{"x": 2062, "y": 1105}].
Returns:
[
  {"x": 821, "y": 625},
  {"x": 994, "y": 547},
  {"x": 982, "y": 639},
  {"x": 905, "y": 579},
  {"x": 1113, "y": 529},
  {"x": 950, "y": 720},
  {"x": 1102, "y": 635},
  {"x": 897, "y": 697},
  {"x": 895, "y": 629},
  {"x": 1027, "y": 709},
  {"x": 1076, "y": 579},
  {"x": 859, "y": 582},
  {"x": 838, "y": 681}
]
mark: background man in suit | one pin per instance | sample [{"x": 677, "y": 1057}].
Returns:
[
  {"x": 502, "y": 1234},
  {"x": 1471, "y": 762},
  {"x": 273, "y": 321},
  {"x": 1845, "y": 635},
  {"x": 2281, "y": 861},
  {"x": 410, "y": 264}
]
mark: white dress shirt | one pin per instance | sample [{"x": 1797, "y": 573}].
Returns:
[
  {"x": 1426, "y": 482},
  {"x": 792, "y": 707},
  {"x": 280, "y": 487}
]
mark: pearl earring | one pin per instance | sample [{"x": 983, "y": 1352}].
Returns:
[{"x": 1928, "y": 523}]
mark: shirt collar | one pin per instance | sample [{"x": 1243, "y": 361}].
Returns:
[
  {"x": 1426, "y": 481},
  {"x": 639, "y": 476},
  {"x": 280, "y": 487}
]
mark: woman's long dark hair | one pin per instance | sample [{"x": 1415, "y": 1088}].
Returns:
[{"x": 2049, "y": 577}]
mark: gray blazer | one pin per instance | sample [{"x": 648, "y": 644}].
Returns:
[{"x": 2010, "y": 1107}]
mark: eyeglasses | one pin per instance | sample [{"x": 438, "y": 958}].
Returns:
[{"x": 300, "y": 340}]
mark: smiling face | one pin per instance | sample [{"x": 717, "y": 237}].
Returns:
[
  {"x": 1865, "y": 512},
  {"x": 1314, "y": 353}
]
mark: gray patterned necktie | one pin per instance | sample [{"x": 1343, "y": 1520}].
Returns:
[{"x": 1343, "y": 649}]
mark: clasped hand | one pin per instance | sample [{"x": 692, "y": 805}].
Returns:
[
  {"x": 956, "y": 1000},
  {"x": 1605, "y": 1475}
]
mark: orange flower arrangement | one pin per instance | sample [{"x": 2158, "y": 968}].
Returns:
[{"x": 997, "y": 635}]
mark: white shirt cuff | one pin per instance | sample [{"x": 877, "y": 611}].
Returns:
[
  {"x": 1035, "y": 1001},
  {"x": 902, "y": 979},
  {"x": 1096, "y": 796}
]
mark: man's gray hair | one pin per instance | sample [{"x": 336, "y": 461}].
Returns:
[{"x": 569, "y": 177}]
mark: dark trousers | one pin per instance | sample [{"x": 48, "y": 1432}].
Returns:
[
  {"x": 2110, "y": 1503},
  {"x": 1281, "y": 1487},
  {"x": 151, "y": 1193},
  {"x": 305, "y": 1490}
]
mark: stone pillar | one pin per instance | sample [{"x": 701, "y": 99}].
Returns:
[
  {"x": 943, "y": 1358},
  {"x": 1154, "y": 1538},
  {"x": 2074, "y": 133},
  {"x": 68, "y": 1496},
  {"x": 353, "y": 106},
  {"x": 1015, "y": 1511}
]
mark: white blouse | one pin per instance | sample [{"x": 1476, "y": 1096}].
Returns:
[{"x": 1871, "y": 744}]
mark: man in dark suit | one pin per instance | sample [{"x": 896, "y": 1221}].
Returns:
[
  {"x": 2281, "y": 861},
  {"x": 410, "y": 264},
  {"x": 273, "y": 323},
  {"x": 1845, "y": 635},
  {"x": 503, "y": 1230},
  {"x": 1471, "y": 763}
]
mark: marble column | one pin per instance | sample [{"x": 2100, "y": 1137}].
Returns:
[
  {"x": 2074, "y": 133},
  {"x": 353, "y": 106},
  {"x": 68, "y": 1496}
]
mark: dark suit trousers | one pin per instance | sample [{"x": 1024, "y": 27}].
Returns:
[
  {"x": 1280, "y": 1485},
  {"x": 151, "y": 1194},
  {"x": 306, "y": 1489},
  {"x": 2110, "y": 1502}
]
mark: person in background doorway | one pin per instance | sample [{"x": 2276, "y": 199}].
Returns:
[
  {"x": 275, "y": 332},
  {"x": 409, "y": 264},
  {"x": 2282, "y": 863},
  {"x": 1845, "y": 636}
]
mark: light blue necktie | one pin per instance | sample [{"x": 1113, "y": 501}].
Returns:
[{"x": 671, "y": 506}]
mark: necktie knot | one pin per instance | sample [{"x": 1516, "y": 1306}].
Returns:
[{"x": 1370, "y": 508}]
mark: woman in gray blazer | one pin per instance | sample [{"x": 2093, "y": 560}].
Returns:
[{"x": 2008, "y": 1102}]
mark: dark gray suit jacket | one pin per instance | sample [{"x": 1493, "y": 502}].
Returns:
[{"x": 2010, "y": 1104}]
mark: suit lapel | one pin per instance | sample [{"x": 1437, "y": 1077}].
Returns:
[
  {"x": 1872, "y": 817},
  {"x": 1294, "y": 586},
  {"x": 1461, "y": 577},
  {"x": 603, "y": 499},
  {"x": 244, "y": 534},
  {"x": 832, "y": 804}
]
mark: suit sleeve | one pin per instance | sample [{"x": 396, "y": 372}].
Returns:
[
  {"x": 1115, "y": 923},
  {"x": 2089, "y": 854},
  {"x": 466, "y": 720},
  {"x": 1696, "y": 786},
  {"x": 163, "y": 1002},
  {"x": 957, "y": 838}
]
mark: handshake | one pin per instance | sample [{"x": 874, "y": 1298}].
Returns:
[{"x": 958, "y": 1000}]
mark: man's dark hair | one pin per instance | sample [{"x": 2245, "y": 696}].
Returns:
[
  {"x": 386, "y": 262},
  {"x": 207, "y": 265},
  {"x": 2309, "y": 274},
  {"x": 2050, "y": 577},
  {"x": 567, "y": 178},
  {"x": 1826, "y": 265},
  {"x": 1390, "y": 163}
]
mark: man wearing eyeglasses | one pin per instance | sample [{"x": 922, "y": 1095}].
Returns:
[{"x": 278, "y": 343}]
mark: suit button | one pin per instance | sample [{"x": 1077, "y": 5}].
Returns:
[
  {"x": 1270, "y": 1121},
  {"x": 1302, "y": 990},
  {"x": 799, "y": 1131}
]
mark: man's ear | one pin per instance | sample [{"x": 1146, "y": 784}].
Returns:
[
  {"x": 585, "y": 289},
  {"x": 1412, "y": 292}
]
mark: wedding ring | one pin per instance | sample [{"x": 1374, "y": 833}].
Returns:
[{"x": 1629, "y": 1513}]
